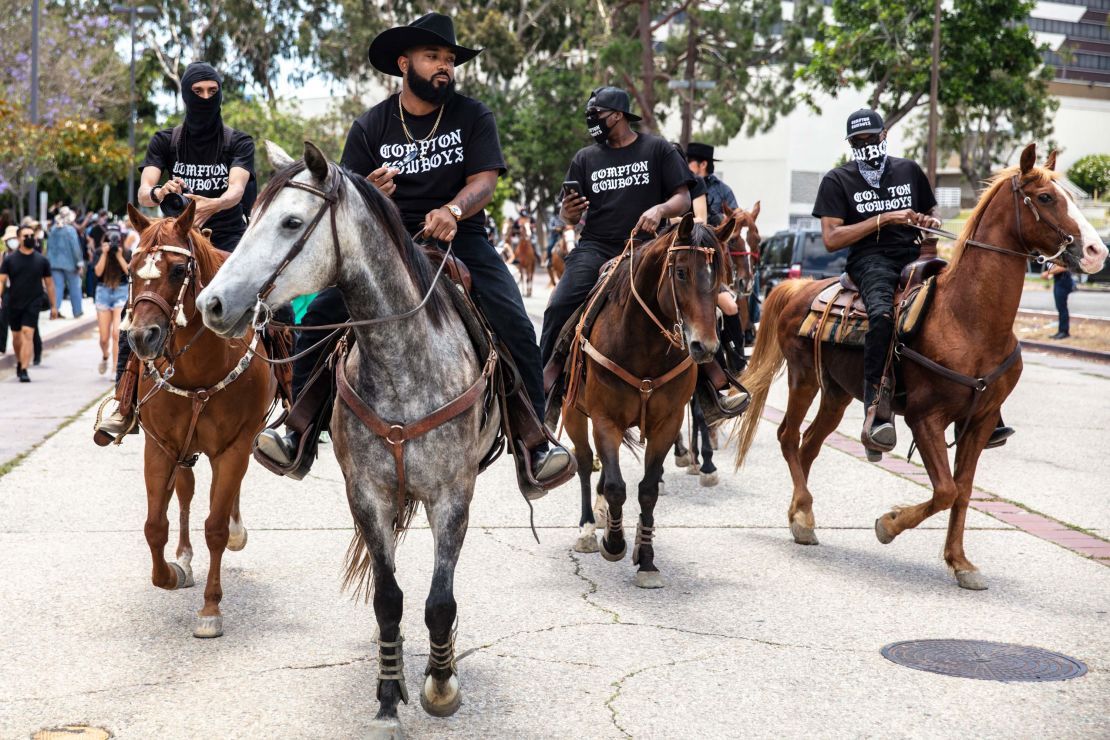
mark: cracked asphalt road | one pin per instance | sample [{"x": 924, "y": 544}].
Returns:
[{"x": 753, "y": 636}]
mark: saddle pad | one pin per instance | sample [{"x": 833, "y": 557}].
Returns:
[{"x": 846, "y": 322}]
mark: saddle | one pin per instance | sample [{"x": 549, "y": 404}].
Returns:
[{"x": 838, "y": 314}]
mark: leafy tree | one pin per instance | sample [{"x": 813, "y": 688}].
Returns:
[
  {"x": 1092, "y": 173},
  {"x": 88, "y": 155},
  {"x": 288, "y": 130},
  {"x": 25, "y": 149}
]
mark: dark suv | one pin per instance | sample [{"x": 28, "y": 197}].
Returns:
[{"x": 797, "y": 253}]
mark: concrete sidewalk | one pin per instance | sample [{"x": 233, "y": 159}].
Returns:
[{"x": 752, "y": 636}]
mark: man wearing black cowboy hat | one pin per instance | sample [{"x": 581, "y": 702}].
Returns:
[
  {"x": 627, "y": 180},
  {"x": 870, "y": 205},
  {"x": 700, "y": 158},
  {"x": 436, "y": 153}
]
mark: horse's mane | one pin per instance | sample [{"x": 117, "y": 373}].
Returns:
[
  {"x": 701, "y": 236},
  {"x": 209, "y": 259},
  {"x": 1038, "y": 175},
  {"x": 383, "y": 209}
]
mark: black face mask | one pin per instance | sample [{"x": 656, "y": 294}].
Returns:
[
  {"x": 427, "y": 90},
  {"x": 597, "y": 127},
  {"x": 202, "y": 115},
  {"x": 29, "y": 242}
]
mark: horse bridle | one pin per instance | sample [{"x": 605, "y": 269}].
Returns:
[
  {"x": 176, "y": 312},
  {"x": 676, "y": 336},
  {"x": 1018, "y": 190}
]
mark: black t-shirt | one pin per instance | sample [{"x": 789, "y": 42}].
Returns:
[
  {"x": 465, "y": 143},
  {"x": 205, "y": 167},
  {"x": 622, "y": 183},
  {"x": 25, "y": 273},
  {"x": 698, "y": 188},
  {"x": 845, "y": 194}
]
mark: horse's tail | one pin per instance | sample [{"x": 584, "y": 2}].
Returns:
[
  {"x": 358, "y": 568},
  {"x": 766, "y": 362}
]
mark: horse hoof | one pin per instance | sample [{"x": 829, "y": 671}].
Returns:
[
  {"x": 649, "y": 579},
  {"x": 972, "y": 580},
  {"x": 596, "y": 467},
  {"x": 884, "y": 536},
  {"x": 184, "y": 574},
  {"x": 873, "y": 455},
  {"x": 682, "y": 461},
  {"x": 441, "y": 703},
  {"x": 611, "y": 556},
  {"x": 708, "y": 480},
  {"x": 692, "y": 469},
  {"x": 237, "y": 536},
  {"x": 208, "y": 626},
  {"x": 385, "y": 729},
  {"x": 587, "y": 539},
  {"x": 803, "y": 535}
]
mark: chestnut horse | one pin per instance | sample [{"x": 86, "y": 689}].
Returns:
[
  {"x": 659, "y": 319},
  {"x": 185, "y": 405},
  {"x": 961, "y": 365},
  {"x": 525, "y": 262},
  {"x": 743, "y": 249},
  {"x": 558, "y": 262}
]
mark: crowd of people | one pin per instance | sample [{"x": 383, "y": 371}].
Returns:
[{"x": 67, "y": 257}]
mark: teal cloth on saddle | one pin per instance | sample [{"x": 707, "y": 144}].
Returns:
[{"x": 300, "y": 306}]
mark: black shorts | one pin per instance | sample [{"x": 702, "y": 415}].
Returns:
[{"x": 20, "y": 318}]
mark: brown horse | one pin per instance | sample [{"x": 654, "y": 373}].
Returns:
[
  {"x": 558, "y": 262},
  {"x": 638, "y": 361},
  {"x": 183, "y": 405},
  {"x": 743, "y": 249},
  {"x": 961, "y": 365},
  {"x": 525, "y": 262}
]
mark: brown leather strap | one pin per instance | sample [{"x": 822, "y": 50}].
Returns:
[
  {"x": 397, "y": 434},
  {"x": 646, "y": 386},
  {"x": 330, "y": 197}
]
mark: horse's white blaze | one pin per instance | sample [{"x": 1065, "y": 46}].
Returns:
[
  {"x": 150, "y": 270},
  {"x": 1088, "y": 237}
]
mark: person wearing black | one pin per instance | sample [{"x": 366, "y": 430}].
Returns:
[
  {"x": 25, "y": 285},
  {"x": 870, "y": 206},
  {"x": 205, "y": 161},
  {"x": 629, "y": 182},
  {"x": 436, "y": 153},
  {"x": 718, "y": 194}
]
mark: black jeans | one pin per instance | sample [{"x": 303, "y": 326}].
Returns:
[
  {"x": 877, "y": 278},
  {"x": 1063, "y": 284},
  {"x": 495, "y": 292},
  {"x": 582, "y": 267}
]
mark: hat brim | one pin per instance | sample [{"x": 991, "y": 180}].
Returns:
[
  {"x": 394, "y": 42},
  {"x": 878, "y": 130}
]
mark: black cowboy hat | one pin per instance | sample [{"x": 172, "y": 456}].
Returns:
[
  {"x": 700, "y": 152},
  {"x": 432, "y": 29}
]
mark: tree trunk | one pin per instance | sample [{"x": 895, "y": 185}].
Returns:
[
  {"x": 691, "y": 78},
  {"x": 647, "y": 64}
]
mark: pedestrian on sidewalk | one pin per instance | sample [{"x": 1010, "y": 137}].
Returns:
[
  {"x": 111, "y": 292},
  {"x": 67, "y": 261},
  {"x": 1062, "y": 286},
  {"x": 26, "y": 288}
]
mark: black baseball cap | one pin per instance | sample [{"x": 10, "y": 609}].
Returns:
[
  {"x": 612, "y": 98},
  {"x": 864, "y": 121}
]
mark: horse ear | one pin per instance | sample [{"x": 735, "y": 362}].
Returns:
[
  {"x": 139, "y": 222},
  {"x": 277, "y": 156},
  {"x": 724, "y": 231},
  {"x": 686, "y": 227},
  {"x": 1028, "y": 157},
  {"x": 755, "y": 210},
  {"x": 1050, "y": 163},
  {"x": 727, "y": 211},
  {"x": 316, "y": 162},
  {"x": 183, "y": 224}
]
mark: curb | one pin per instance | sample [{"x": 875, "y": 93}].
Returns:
[
  {"x": 71, "y": 332},
  {"x": 1060, "y": 349}
]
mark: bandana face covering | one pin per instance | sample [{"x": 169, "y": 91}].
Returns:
[
  {"x": 871, "y": 160},
  {"x": 202, "y": 115},
  {"x": 596, "y": 126}
]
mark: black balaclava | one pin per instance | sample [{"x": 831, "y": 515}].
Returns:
[{"x": 202, "y": 115}]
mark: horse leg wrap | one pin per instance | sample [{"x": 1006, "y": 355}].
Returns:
[
  {"x": 644, "y": 536},
  {"x": 391, "y": 666},
  {"x": 442, "y": 657},
  {"x": 615, "y": 525}
]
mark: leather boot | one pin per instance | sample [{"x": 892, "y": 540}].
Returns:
[{"x": 878, "y": 434}]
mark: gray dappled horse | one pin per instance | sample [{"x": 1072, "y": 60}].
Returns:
[{"x": 402, "y": 369}]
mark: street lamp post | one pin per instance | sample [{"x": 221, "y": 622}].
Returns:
[
  {"x": 132, "y": 11},
  {"x": 32, "y": 208}
]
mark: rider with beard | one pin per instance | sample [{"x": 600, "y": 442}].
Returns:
[
  {"x": 207, "y": 162},
  {"x": 436, "y": 153},
  {"x": 870, "y": 206}
]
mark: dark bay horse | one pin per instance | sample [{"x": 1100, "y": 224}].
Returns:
[
  {"x": 200, "y": 394},
  {"x": 639, "y": 359},
  {"x": 315, "y": 225},
  {"x": 968, "y": 332}
]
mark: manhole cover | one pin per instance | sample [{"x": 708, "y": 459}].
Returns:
[
  {"x": 72, "y": 732},
  {"x": 989, "y": 661}
]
